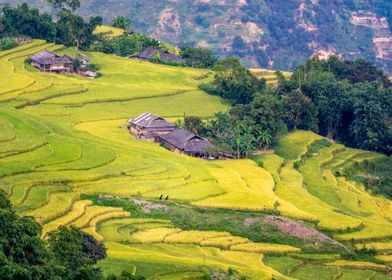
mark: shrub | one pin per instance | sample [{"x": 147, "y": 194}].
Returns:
[{"x": 7, "y": 43}]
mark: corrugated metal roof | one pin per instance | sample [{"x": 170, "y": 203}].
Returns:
[
  {"x": 47, "y": 57},
  {"x": 149, "y": 120}
]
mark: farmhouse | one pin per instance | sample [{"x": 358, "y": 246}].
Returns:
[
  {"x": 83, "y": 59},
  {"x": 185, "y": 142},
  {"x": 51, "y": 62},
  {"x": 150, "y": 127},
  {"x": 151, "y": 53}
]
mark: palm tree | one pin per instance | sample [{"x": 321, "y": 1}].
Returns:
[{"x": 264, "y": 138}]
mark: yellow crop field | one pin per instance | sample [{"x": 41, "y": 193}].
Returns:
[
  {"x": 224, "y": 242},
  {"x": 194, "y": 237},
  {"x": 264, "y": 248},
  {"x": 378, "y": 246},
  {"x": 108, "y": 31},
  {"x": 385, "y": 258},
  {"x": 357, "y": 264},
  {"x": 154, "y": 235},
  {"x": 77, "y": 210},
  {"x": 64, "y": 138}
]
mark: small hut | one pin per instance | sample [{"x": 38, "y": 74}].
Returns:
[{"x": 51, "y": 62}]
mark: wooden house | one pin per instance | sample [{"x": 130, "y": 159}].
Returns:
[
  {"x": 150, "y": 127},
  {"x": 51, "y": 62},
  {"x": 83, "y": 59},
  {"x": 151, "y": 53},
  {"x": 184, "y": 141}
]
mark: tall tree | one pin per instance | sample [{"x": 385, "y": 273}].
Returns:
[
  {"x": 235, "y": 82},
  {"x": 122, "y": 22},
  {"x": 295, "y": 105}
]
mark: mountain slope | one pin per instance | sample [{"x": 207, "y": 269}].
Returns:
[{"x": 275, "y": 34}]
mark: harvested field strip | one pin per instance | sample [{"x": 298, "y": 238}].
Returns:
[
  {"x": 58, "y": 205},
  {"x": 193, "y": 237},
  {"x": 92, "y": 212},
  {"x": 384, "y": 258},
  {"x": 378, "y": 246},
  {"x": 92, "y": 226},
  {"x": 78, "y": 208},
  {"x": 357, "y": 265},
  {"x": 154, "y": 235},
  {"x": 264, "y": 248},
  {"x": 224, "y": 242}
]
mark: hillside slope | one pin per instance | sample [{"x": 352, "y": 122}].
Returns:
[
  {"x": 64, "y": 151},
  {"x": 268, "y": 34}
]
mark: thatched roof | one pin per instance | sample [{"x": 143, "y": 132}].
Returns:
[
  {"x": 47, "y": 57},
  {"x": 186, "y": 141}
]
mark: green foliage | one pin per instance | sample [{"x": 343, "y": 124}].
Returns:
[
  {"x": 23, "y": 20},
  {"x": 234, "y": 82},
  {"x": 375, "y": 174},
  {"x": 122, "y": 22},
  {"x": 295, "y": 106},
  {"x": 194, "y": 124},
  {"x": 69, "y": 29},
  {"x": 125, "y": 45},
  {"x": 7, "y": 43},
  {"x": 125, "y": 275},
  {"x": 198, "y": 57},
  {"x": 72, "y": 30},
  {"x": 5, "y": 203},
  {"x": 346, "y": 100}
]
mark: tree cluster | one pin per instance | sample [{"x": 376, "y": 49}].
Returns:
[
  {"x": 198, "y": 57},
  {"x": 349, "y": 101},
  {"x": 234, "y": 82},
  {"x": 68, "y": 253},
  {"x": 69, "y": 29},
  {"x": 125, "y": 45}
]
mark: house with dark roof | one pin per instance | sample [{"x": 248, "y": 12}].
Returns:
[
  {"x": 151, "y": 53},
  {"x": 83, "y": 59},
  {"x": 150, "y": 127},
  {"x": 183, "y": 141},
  {"x": 51, "y": 62}
]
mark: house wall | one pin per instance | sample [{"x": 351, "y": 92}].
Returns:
[{"x": 172, "y": 148}]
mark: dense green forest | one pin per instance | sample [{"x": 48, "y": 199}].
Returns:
[{"x": 347, "y": 101}]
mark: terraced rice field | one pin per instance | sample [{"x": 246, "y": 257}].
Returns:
[{"x": 63, "y": 136}]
